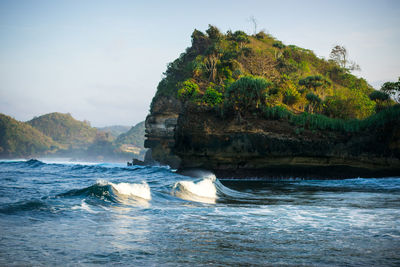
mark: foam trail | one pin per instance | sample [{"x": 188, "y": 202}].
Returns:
[
  {"x": 203, "y": 191},
  {"x": 84, "y": 206}
]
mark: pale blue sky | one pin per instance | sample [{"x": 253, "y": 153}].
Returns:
[{"x": 102, "y": 60}]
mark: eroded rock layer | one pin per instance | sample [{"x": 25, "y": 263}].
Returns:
[
  {"x": 160, "y": 126},
  {"x": 276, "y": 148}
]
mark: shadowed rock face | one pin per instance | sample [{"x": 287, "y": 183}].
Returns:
[
  {"x": 264, "y": 148},
  {"x": 160, "y": 126},
  {"x": 191, "y": 137}
]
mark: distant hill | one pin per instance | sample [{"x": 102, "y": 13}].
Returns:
[
  {"x": 135, "y": 136},
  {"x": 18, "y": 139},
  {"x": 64, "y": 129},
  {"x": 61, "y": 135},
  {"x": 115, "y": 130},
  {"x": 132, "y": 141}
]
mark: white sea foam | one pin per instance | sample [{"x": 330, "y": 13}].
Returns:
[
  {"x": 84, "y": 206},
  {"x": 141, "y": 190},
  {"x": 137, "y": 190},
  {"x": 203, "y": 191}
]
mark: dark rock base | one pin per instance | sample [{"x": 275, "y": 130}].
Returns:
[{"x": 306, "y": 173}]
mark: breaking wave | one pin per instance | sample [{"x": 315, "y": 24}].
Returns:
[
  {"x": 113, "y": 192},
  {"x": 206, "y": 190},
  {"x": 203, "y": 191},
  {"x": 141, "y": 190}
]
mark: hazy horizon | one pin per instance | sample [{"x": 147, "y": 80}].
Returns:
[{"x": 101, "y": 61}]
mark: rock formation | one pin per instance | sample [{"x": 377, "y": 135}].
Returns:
[
  {"x": 160, "y": 126},
  {"x": 273, "y": 148},
  {"x": 249, "y": 106}
]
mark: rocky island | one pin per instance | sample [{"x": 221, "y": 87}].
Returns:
[{"x": 250, "y": 106}]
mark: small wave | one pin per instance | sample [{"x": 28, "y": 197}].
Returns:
[
  {"x": 34, "y": 162},
  {"x": 208, "y": 190},
  {"x": 103, "y": 192},
  {"x": 141, "y": 190},
  {"x": 112, "y": 192},
  {"x": 23, "y": 206},
  {"x": 93, "y": 168},
  {"x": 203, "y": 191},
  {"x": 102, "y": 168}
]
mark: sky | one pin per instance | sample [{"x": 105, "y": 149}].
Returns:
[{"x": 101, "y": 61}]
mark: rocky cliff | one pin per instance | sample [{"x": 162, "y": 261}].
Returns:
[
  {"x": 248, "y": 105},
  {"x": 276, "y": 148},
  {"x": 160, "y": 130}
]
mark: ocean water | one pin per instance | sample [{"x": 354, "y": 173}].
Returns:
[{"x": 107, "y": 214}]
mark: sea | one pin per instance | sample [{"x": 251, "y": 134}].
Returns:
[{"x": 60, "y": 213}]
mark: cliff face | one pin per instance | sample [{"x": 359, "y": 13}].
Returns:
[
  {"x": 275, "y": 148},
  {"x": 195, "y": 137},
  {"x": 160, "y": 126},
  {"x": 282, "y": 100}
]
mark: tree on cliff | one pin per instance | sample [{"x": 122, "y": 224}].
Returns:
[
  {"x": 240, "y": 37},
  {"x": 247, "y": 93},
  {"x": 315, "y": 83},
  {"x": 314, "y": 102},
  {"x": 253, "y": 20},
  {"x": 213, "y": 33},
  {"x": 212, "y": 97},
  {"x": 200, "y": 42},
  {"x": 393, "y": 89},
  {"x": 340, "y": 56},
  {"x": 188, "y": 91}
]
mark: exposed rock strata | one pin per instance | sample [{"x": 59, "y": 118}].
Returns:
[
  {"x": 192, "y": 137},
  {"x": 257, "y": 147},
  {"x": 160, "y": 126}
]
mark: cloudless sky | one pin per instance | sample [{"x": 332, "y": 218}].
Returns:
[{"x": 102, "y": 60}]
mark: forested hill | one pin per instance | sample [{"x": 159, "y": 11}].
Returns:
[
  {"x": 134, "y": 136},
  {"x": 64, "y": 129},
  {"x": 259, "y": 72},
  {"x": 18, "y": 139},
  {"x": 60, "y": 135},
  {"x": 114, "y": 130}
]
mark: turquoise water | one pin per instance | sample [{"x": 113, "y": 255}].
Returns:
[{"x": 108, "y": 214}]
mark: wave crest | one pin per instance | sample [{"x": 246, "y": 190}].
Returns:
[
  {"x": 113, "y": 192},
  {"x": 204, "y": 191},
  {"x": 33, "y": 163},
  {"x": 141, "y": 190}
]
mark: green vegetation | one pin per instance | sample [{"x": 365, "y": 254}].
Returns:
[
  {"x": 314, "y": 102},
  {"x": 18, "y": 139},
  {"x": 393, "y": 89},
  {"x": 188, "y": 91},
  {"x": 322, "y": 122},
  {"x": 247, "y": 93},
  {"x": 315, "y": 83},
  {"x": 74, "y": 139},
  {"x": 212, "y": 97},
  {"x": 65, "y": 130},
  {"x": 132, "y": 141},
  {"x": 135, "y": 136},
  {"x": 258, "y": 74},
  {"x": 381, "y": 99}
]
